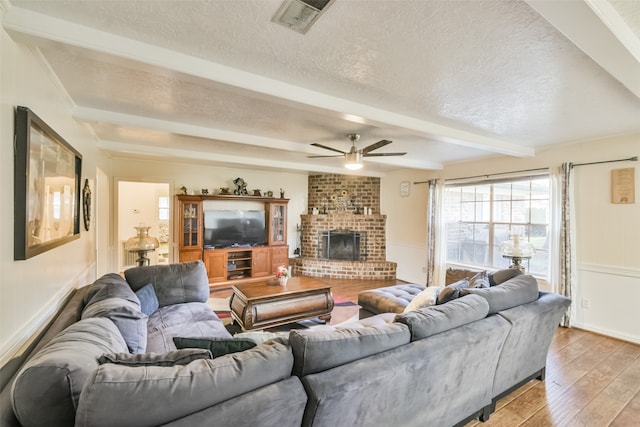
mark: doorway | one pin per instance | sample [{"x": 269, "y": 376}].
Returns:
[{"x": 143, "y": 204}]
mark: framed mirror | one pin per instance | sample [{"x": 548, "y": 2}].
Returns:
[{"x": 47, "y": 174}]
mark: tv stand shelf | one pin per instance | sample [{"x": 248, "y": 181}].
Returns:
[{"x": 233, "y": 264}]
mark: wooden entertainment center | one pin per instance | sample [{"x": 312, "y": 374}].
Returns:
[{"x": 232, "y": 264}]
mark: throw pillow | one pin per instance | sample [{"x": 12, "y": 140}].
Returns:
[
  {"x": 480, "y": 280},
  {"x": 148, "y": 299},
  {"x": 503, "y": 275},
  {"x": 217, "y": 346},
  {"x": 127, "y": 317},
  {"x": 448, "y": 294},
  {"x": 171, "y": 358},
  {"x": 425, "y": 298},
  {"x": 460, "y": 284}
]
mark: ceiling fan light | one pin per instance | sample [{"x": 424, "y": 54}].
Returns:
[{"x": 353, "y": 160}]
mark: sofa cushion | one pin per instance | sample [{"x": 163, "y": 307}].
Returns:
[
  {"x": 127, "y": 316},
  {"x": 316, "y": 351},
  {"x": 171, "y": 358},
  {"x": 433, "y": 320},
  {"x": 148, "y": 299},
  {"x": 151, "y": 395},
  {"x": 500, "y": 276},
  {"x": 47, "y": 388},
  {"x": 192, "y": 319},
  {"x": 173, "y": 283},
  {"x": 110, "y": 285},
  {"x": 217, "y": 346},
  {"x": 425, "y": 298},
  {"x": 519, "y": 290}
]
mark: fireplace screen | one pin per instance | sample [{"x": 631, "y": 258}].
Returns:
[{"x": 341, "y": 245}]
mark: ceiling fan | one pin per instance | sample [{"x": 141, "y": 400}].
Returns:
[{"x": 353, "y": 158}]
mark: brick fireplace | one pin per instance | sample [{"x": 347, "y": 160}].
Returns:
[{"x": 339, "y": 201}]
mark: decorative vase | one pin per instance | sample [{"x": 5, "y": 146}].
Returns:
[{"x": 283, "y": 280}]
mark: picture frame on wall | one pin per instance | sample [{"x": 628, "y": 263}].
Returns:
[{"x": 47, "y": 173}]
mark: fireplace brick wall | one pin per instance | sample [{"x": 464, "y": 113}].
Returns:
[
  {"x": 341, "y": 195},
  {"x": 373, "y": 225}
]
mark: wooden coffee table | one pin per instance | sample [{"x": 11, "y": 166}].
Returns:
[{"x": 259, "y": 305}]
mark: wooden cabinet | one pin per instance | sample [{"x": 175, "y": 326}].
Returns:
[
  {"x": 279, "y": 256},
  {"x": 188, "y": 222},
  {"x": 261, "y": 262},
  {"x": 225, "y": 265},
  {"x": 216, "y": 263},
  {"x": 277, "y": 213}
]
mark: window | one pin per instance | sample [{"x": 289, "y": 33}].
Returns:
[
  {"x": 479, "y": 216},
  {"x": 163, "y": 208}
]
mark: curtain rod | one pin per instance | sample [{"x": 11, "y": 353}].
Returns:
[
  {"x": 630, "y": 159},
  {"x": 489, "y": 175}
]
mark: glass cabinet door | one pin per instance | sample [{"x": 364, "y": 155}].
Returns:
[
  {"x": 278, "y": 224},
  {"x": 191, "y": 224}
]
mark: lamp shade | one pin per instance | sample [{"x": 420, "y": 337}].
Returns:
[
  {"x": 142, "y": 241},
  {"x": 515, "y": 248},
  {"x": 353, "y": 160}
]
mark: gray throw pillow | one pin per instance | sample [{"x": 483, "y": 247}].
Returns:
[
  {"x": 148, "y": 299},
  {"x": 127, "y": 317},
  {"x": 217, "y": 346},
  {"x": 501, "y": 276},
  {"x": 447, "y": 294},
  {"x": 170, "y": 358}
]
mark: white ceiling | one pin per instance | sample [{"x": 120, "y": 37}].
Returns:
[{"x": 218, "y": 82}]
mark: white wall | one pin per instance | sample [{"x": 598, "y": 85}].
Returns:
[
  {"x": 406, "y": 224},
  {"x": 607, "y": 243},
  {"x": 196, "y": 177},
  {"x": 31, "y": 290}
]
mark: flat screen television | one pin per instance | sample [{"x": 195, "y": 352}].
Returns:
[{"x": 225, "y": 228}]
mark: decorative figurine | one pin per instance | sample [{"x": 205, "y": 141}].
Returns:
[
  {"x": 281, "y": 193},
  {"x": 257, "y": 193},
  {"x": 183, "y": 190},
  {"x": 241, "y": 187},
  {"x": 269, "y": 193},
  {"x": 224, "y": 191},
  {"x": 205, "y": 191}
]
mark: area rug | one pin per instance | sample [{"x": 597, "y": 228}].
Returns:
[{"x": 344, "y": 311}]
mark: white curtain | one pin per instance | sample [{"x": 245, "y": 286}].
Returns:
[
  {"x": 436, "y": 242},
  {"x": 567, "y": 242}
]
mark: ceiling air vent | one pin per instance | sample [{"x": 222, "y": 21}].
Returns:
[{"x": 299, "y": 15}]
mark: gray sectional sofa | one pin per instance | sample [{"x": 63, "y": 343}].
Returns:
[{"x": 439, "y": 366}]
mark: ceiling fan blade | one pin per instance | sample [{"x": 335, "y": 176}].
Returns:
[
  {"x": 315, "y": 144},
  {"x": 375, "y": 146},
  {"x": 320, "y": 157},
  {"x": 383, "y": 154}
]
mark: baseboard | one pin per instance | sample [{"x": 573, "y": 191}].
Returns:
[{"x": 606, "y": 332}]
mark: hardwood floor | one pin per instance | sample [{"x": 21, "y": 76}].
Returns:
[{"x": 591, "y": 380}]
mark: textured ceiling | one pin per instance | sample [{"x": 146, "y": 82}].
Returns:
[{"x": 217, "y": 81}]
